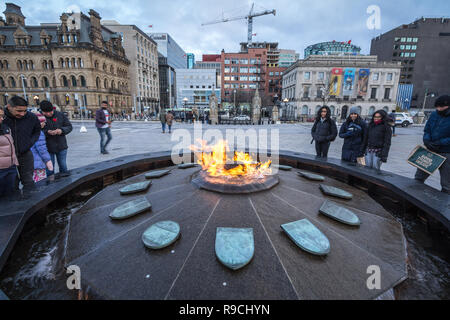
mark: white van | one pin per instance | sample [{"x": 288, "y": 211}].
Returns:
[{"x": 403, "y": 119}]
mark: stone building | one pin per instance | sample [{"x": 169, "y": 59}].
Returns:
[
  {"x": 142, "y": 52},
  {"x": 76, "y": 63},
  {"x": 359, "y": 81}
]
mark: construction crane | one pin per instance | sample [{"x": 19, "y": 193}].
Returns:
[{"x": 249, "y": 18}]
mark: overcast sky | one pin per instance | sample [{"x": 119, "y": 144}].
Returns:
[{"x": 296, "y": 25}]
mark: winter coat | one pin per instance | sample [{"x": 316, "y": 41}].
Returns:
[
  {"x": 169, "y": 119},
  {"x": 7, "y": 151},
  {"x": 325, "y": 131},
  {"x": 162, "y": 117},
  {"x": 25, "y": 131},
  {"x": 437, "y": 132},
  {"x": 353, "y": 134},
  {"x": 100, "y": 118},
  {"x": 57, "y": 143},
  {"x": 40, "y": 153},
  {"x": 378, "y": 136}
]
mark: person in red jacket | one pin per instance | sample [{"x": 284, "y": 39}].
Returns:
[{"x": 8, "y": 159}]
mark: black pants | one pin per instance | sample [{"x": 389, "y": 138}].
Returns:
[
  {"x": 26, "y": 168},
  {"x": 322, "y": 149},
  {"x": 444, "y": 171}
]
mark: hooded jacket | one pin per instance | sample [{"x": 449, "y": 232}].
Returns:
[
  {"x": 57, "y": 143},
  {"x": 437, "y": 132},
  {"x": 25, "y": 131},
  {"x": 7, "y": 151},
  {"x": 40, "y": 153},
  {"x": 378, "y": 136},
  {"x": 353, "y": 134},
  {"x": 325, "y": 131}
]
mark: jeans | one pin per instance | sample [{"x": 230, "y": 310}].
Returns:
[
  {"x": 26, "y": 169},
  {"x": 372, "y": 161},
  {"x": 7, "y": 181},
  {"x": 163, "y": 124},
  {"x": 62, "y": 164},
  {"x": 103, "y": 132},
  {"x": 322, "y": 149},
  {"x": 170, "y": 127},
  {"x": 444, "y": 170}
]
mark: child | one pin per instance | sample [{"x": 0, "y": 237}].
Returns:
[{"x": 41, "y": 156}]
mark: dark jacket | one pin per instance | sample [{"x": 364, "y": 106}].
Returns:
[
  {"x": 324, "y": 131},
  {"x": 57, "y": 144},
  {"x": 100, "y": 118},
  {"x": 40, "y": 153},
  {"x": 25, "y": 131},
  {"x": 378, "y": 136},
  {"x": 437, "y": 132},
  {"x": 353, "y": 134}
]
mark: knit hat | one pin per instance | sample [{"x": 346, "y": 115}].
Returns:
[
  {"x": 442, "y": 101},
  {"x": 46, "y": 106},
  {"x": 355, "y": 110}
]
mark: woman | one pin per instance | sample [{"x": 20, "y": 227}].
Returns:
[
  {"x": 169, "y": 120},
  {"x": 8, "y": 159},
  {"x": 162, "y": 118},
  {"x": 352, "y": 131},
  {"x": 377, "y": 140},
  {"x": 324, "y": 131},
  {"x": 42, "y": 159}
]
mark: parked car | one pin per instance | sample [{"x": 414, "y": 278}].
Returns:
[
  {"x": 242, "y": 118},
  {"x": 403, "y": 119}
]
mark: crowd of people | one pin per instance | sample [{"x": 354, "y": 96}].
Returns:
[
  {"x": 31, "y": 144},
  {"x": 369, "y": 143}
]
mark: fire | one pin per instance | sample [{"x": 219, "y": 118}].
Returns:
[{"x": 215, "y": 162}]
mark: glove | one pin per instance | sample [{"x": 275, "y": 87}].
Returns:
[
  {"x": 431, "y": 146},
  {"x": 356, "y": 127}
]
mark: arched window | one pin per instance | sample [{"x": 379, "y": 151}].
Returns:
[
  {"x": 19, "y": 65},
  {"x": 371, "y": 111},
  {"x": 82, "y": 81},
  {"x": 5, "y": 64},
  {"x": 74, "y": 63},
  {"x": 1, "y": 65},
  {"x": 45, "y": 83},
  {"x": 12, "y": 82},
  {"x": 34, "y": 82},
  {"x": 97, "y": 82},
  {"x": 51, "y": 65},
  {"x": 104, "y": 67},
  {"x": 24, "y": 83},
  {"x": 96, "y": 64},
  {"x": 80, "y": 63},
  {"x": 44, "y": 64},
  {"x": 105, "y": 83},
  {"x": 386, "y": 109},
  {"x": 111, "y": 69},
  {"x": 112, "y": 84},
  {"x": 68, "y": 64},
  {"x": 31, "y": 64},
  {"x": 304, "y": 110},
  {"x": 61, "y": 63},
  {"x": 332, "y": 110},
  {"x": 74, "y": 81},
  {"x": 54, "y": 82},
  {"x": 64, "y": 81},
  {"x": 25, "y": 63},
  {"x": 2, "y": 83}
]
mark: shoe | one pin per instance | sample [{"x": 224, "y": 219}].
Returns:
[{"x": 105, "y": 152}]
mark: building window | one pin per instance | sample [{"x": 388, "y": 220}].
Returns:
[
  {"x": 415, "y": 39},
  {"x": 413, "y": 54},
  {"x": 389, "y": 77},
  {"x": 243, "y": 70},
  {"x": 403, "y": 39},
  {"x": 321, "y": 75},
  {"x": 373, "y": 94},
  {"x": 376, "y": 76},
  {"x": 307, "y": 75},
  {"x": 305, "y": 92},
  {"x": 387, "y": 93},
  {"x": 244, "y": 61},
  {"x": 409, "y": 40}
]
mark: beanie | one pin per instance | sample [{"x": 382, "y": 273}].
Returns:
[
  {"x": 442, "y": 101},
  {"x": 355, "y": 110},
  {"x": 46, "y": 106}
]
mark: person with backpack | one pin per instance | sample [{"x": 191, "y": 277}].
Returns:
[
  {"x": 324, "y": 131},
  {"x": 377, "y": 140},
  {"x": 352, "y": 131},
  {"x": 437, "y": 139}
]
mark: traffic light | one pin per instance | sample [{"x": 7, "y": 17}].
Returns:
[{"x": 67, "y": 100}]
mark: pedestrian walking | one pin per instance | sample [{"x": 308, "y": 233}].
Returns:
[
  {"x": 377, "y": 140},
  {"x": 437, "y": 139},
  {"x": 42, "y": 160},
  {"x": 162, "y": 118},
  {"x": 56, "y": 127},
  {"x": 391, "y": 122},
  {"x": 8, "y": 159},
  {"x": 103, "y": 123},
  {"x": 25, "y": 130},
  {"x": 169, "y": 120},
  {"x": 352, "y": 131},
  {"x": 324, "y": 131}
]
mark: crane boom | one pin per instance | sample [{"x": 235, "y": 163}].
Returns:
[{"x": 249, "y": 18}]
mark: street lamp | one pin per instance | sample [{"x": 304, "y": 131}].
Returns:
[
  {"x": 286, "y": 100},
  {"x": 185, "y": 100},
  {"x": 234, "y": 93},
  {"x": 431, "y": 94},
  {"x": 23, "y": 78},
  {"x": 36, "y": 100}
]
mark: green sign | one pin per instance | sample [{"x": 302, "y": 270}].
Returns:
[{"x": 425, "y": 160}]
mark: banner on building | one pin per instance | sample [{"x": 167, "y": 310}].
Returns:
[
  {"x": 425, "y": 160},
  {"x": 335, "y": 81},
  {"x": 349, "y": 81},
  {"x": 404, "y": 96},
  {"x": 363, "y": 82}
]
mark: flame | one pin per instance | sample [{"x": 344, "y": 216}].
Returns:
[{"x": 215, "y": 162}]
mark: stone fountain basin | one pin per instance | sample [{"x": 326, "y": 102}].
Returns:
[{"x": 115, "y": 264}]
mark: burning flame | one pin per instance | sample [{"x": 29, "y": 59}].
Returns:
[{"x": 215, "y": 162}]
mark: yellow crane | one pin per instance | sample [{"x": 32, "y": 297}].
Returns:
[{"x": 249, "y": 19}]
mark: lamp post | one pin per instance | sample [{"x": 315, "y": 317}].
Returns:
[
  {"x": 36, "y": 100},
  {"x": 23, "y": 78},
  {"x": 286, "y": 100},
  {"x": 6, "y": 97},
  {"x": 185, "y": 100},
  {"x": 234, "y": 93},
  {"x": 431, "y": 94}
]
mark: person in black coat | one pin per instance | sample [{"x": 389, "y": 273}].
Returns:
[
  {"x": 352, "y": 131},
  {"x": 25, "y": 130},
  {"x": 324, "y": 131},
  {"x": 377, "y": 140},
  {"x": 57, "y": 126}
]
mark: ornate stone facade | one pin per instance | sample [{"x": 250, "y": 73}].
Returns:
[{"x": 75, "y": 63}]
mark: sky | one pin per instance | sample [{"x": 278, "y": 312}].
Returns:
[{"x": 296, "y": 25}]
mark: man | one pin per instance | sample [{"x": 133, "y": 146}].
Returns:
[
  {"x": 391, "y": 122},
  {"x": 25, "y": 130},
  {"x": 169, "y": 120},
  {"x": 103, "y": 123},
  {"x": 57, "y": 126},
  {"x": 162, "y": 118},
  {"x": 437, "y": 139}
]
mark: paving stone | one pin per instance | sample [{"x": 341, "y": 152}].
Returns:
[
  {"x": 161, "y": 234},
  {"x": 335, "y": 192},
  {"x": 130, "y": 209},
  {"x": 341, "y": 214},
  {"x": 307, "y": 237},
  {"x": 135, "y": 188}
]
